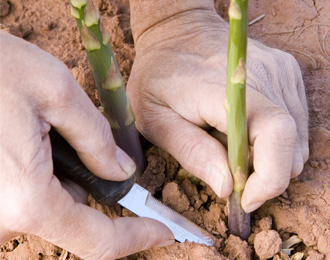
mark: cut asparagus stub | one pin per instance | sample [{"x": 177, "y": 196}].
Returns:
[
  {"x": 235, "y": 106},
  {"x": 108, "y": 79}
]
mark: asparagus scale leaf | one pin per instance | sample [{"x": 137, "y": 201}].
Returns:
[
  {"x": 235, "y": 105},
  {"x": 109, "y": 82}
]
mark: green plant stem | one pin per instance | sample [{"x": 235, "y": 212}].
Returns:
[
  {"x": 235, "y": 104},
  {"x": 109, "y": 82}
]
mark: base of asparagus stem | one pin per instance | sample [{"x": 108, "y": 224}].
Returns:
[
  {"x": 238, "y": 219},
  {"x": 127, "y": 138}
]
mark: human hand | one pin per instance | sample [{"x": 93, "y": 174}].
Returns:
[
  {"x": 37, "y": 92},
  {"x": 178, "y": 86}
]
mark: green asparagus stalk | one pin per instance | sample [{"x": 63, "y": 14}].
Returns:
[
  {"x": 108, "y": 79},
  {"x": 235, "y": 105}
]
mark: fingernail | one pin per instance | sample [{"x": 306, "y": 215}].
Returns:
[
  {"x": 125, "y": 162},
  {"x": 166, "y": 243},
  {"x": 251, "y": 207},
  {"x": 215, "y": 178}
]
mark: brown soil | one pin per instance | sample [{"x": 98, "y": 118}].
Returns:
[{"x": 295, "y": 26}]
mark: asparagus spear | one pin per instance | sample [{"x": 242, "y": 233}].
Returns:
[
  {"x": 235, "y": 105},
  {"x": 108, "y": 79}
]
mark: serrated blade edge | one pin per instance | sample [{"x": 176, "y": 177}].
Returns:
[{"x": 139, "y": 201}]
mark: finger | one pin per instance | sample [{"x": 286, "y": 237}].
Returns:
[
  {"x": 6, "y": 235},
  {"x": 295, "y": 100},
  {"x": 58, "y": 99},
  {"x": 260, "y": 188},
  {"x": 297, "y": 108},
  {"x": 273, "y": 135},
  {"x": 272, "y": 131},
  {"x": 289, "y": 102},
  {"x": 298, "y": 160},
  {"x": 90, "y": 234},
  {"x": 74, "y": 116},
  {"x": 287, "y": 89},
  {"x": 194, "y": 148}
]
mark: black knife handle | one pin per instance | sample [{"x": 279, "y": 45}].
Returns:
[{"x": 67, "y": 163}]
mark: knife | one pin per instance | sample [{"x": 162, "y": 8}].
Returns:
[{"x": 127, "y": 193}]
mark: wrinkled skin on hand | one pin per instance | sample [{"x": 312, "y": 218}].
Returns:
[
  {"x": 37, "y": 92},
  {"x": 177, "y": 88}
]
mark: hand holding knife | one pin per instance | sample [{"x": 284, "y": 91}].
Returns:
[{"x": 127, "y": 193}]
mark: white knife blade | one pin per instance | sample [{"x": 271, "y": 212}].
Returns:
[{"x": 139, "y": 201}]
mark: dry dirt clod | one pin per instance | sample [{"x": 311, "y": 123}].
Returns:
[
  {"x": 314, "y": 164},
  {"x": 237, "y": 249},
  {"x": 154, "y": 176},
  {"x": 175, "y": 198},
  {"x": 213, "y": 222},
  {"x": 193, "y": 216},
  {"x": 267, "y": 244},
  {"x": 323, "y": 165},
  {"x": 313, "y": 255},
  {"x": 4, "y": 8},
  {"x": 266, "y": 223}
]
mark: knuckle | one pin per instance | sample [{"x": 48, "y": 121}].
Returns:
[
  {"x": 290, "y": 66},
  {"x": 149, "y": 120},
  {"x": 104, "y": 142},
  {"x": 258, "y": 73},
  {"x": 289, "y": 59},
  {"x": 62, "y": 91},
  {"x": 149, "y": 236},
  {"x": 196, "y": 153},
  {"x": 188, "y": 152},
  {"x": 283, "y": 126}
]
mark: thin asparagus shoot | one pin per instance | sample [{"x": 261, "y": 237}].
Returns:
[
  {"x": 235, "y": 105},
  {"x": 108, "y": 79}
]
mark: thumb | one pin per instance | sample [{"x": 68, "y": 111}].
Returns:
[
  {"x": 76, "y": 118},
  {"x": 197, "y": 151},
  {"x": 91, "y": 235}
]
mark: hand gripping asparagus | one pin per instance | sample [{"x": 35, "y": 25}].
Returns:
[
  {"x": 235, "y": 105},
  {"x": 108, "y": 79}
]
